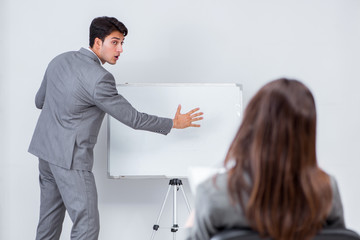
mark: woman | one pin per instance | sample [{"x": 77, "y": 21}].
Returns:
[{"x": 273, "y": 184}]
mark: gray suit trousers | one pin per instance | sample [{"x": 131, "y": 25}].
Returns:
[{"x": 73, "y": 191}]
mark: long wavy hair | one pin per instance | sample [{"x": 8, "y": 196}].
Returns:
[{"x": 274, "y": 164}]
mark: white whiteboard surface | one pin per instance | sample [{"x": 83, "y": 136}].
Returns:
[{"x": 142, "y": 154}]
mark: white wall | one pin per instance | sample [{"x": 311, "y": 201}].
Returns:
[{"x": 244, "y": 41}]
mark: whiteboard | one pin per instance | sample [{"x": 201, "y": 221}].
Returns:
[{"x": 142, "y": 154}]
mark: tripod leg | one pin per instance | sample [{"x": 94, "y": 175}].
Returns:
[
  {"x": 185, "y": 198},
  {"x": 176, "y": 184},
  {"x": 175, "y": 225},
  {"x": 156, "y": 225}
]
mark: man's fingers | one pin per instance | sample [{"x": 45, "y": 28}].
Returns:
[
  {"x": 196, "y": 114},
  {"x": 196, "y": 119},
  {"x": 192, "y": 111},
  {"x": 186, "y": 120},
  {"x": 178, "y": 109}
]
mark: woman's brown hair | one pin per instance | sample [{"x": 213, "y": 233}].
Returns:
[{"x": 274, "y": 164}]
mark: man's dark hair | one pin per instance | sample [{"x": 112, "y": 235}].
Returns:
[{"x": 103, "y": 26}]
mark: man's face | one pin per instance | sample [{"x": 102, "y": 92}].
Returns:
[{"x": 110, "y": 49}]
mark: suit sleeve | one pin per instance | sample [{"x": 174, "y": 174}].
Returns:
[
  {"x": 107, "y": 99},
  {"x": 40, "y": 95}
]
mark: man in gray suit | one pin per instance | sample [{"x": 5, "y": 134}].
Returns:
[{"x": 74, "y": 96}]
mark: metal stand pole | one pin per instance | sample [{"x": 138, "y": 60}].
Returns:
[{"x": 176, "y": 184}]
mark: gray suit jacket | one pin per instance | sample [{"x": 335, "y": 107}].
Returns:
[
  {"x": 214, "y": 211},
  {"x": 74, "y": 96}
]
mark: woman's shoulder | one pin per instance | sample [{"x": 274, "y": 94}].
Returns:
[
  {"x": 335, "y": 218},
  {"x": 334, "y": 185},
  {"x": 214, "y": 188}
]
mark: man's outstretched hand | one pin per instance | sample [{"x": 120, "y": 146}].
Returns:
[{"x": 186, "y": 120}]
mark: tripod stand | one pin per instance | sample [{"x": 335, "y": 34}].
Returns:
[{"x": 176, "y": 184}]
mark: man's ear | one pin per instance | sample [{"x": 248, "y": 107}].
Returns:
[{"x": 97, "y": 43}]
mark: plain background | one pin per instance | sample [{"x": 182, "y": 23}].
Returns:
[{"x": 245, "y": 41}]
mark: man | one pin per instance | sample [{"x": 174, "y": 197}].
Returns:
[{"x": 74, "y": 96}]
